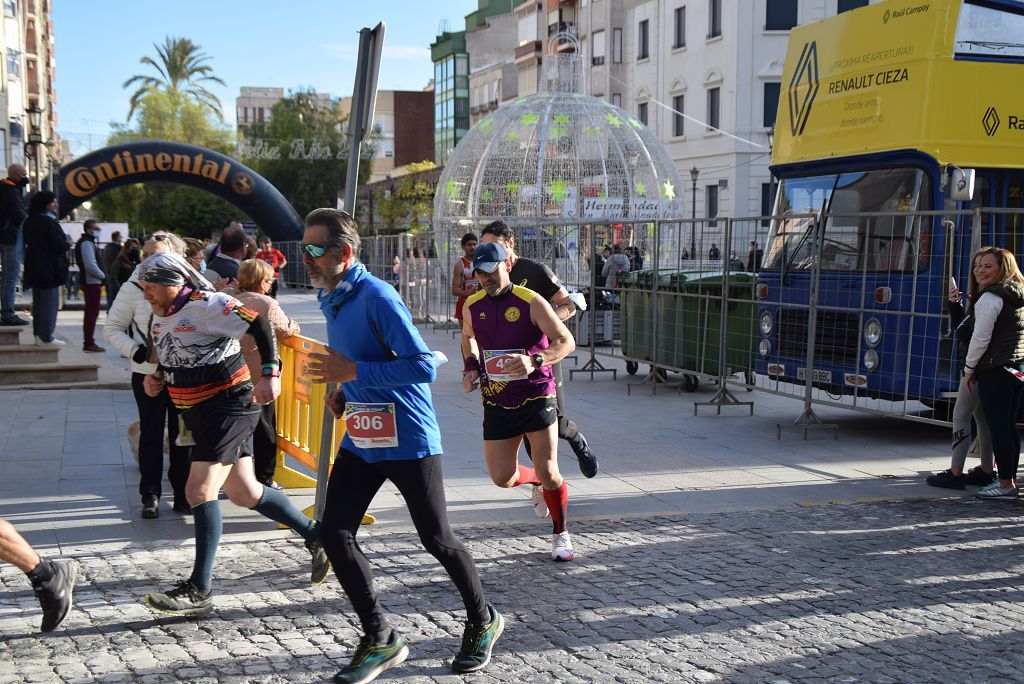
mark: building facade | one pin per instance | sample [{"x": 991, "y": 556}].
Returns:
[
  {"x": 29, "y": 72},
  {"x": 452, "y": 70},
  {"x": 253, "y": 105},
  {"x": 402, "y": 129},
  {"x": 704, "y": 75}
]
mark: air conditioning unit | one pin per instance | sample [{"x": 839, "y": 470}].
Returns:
[
  {"x": 597, "y": 61},
  {"x": 724, "y": 183}
]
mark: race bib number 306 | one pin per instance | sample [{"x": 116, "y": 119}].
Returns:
[
  {"x": 371, "y": 426},
  {"x": 494, "y": 364}
]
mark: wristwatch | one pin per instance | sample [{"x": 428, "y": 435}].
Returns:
[
  {"x": 538, "y": 361},
  {"x": 271, "y": 372}
]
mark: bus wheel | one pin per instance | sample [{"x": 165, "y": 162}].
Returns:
[
  {"x": 690, "y": 383},
  {"x": 750, "y": 379},
  {"x": 632, "y": 367}
]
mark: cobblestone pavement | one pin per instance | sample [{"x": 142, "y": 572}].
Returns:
[{"x": 902, "y": 591}]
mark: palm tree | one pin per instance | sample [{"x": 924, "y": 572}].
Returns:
[{"x": 182, "y": 69}]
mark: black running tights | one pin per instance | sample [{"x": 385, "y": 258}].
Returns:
[{"x": 352, "y": 486}]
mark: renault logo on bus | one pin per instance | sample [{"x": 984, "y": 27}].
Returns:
[
  {"x": 990, "y": 121},
  {"x": 803, "y": 87}
]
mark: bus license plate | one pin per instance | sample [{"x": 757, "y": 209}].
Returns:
[{"x": 819, "y": 375}]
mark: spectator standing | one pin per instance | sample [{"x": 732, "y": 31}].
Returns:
[
  {"x": 597, "y": 268},
  {"x": 754, "y": 257},
  {"x": 126, "y": 261},
  {"x": 255, "y": 280},
  {"x": 277, "y": 261},
  {"x": 618, "y": 263},
  {"x": 735, "y": 263},
  {"x": 12, "y": 240},
  {"x": 229, "y": 256},
  {"x": 111, "y": 250},
  {"x": 967, "y": 406},
  {"x": 714, "y": 254},
  {"x": 995, "y": 360},
  {"x": 46, "y": 265},
  {"x": 87, "y": 255},
  {"x": 463, "y": 278},
  {"x": 195, "y": 254},
  {"x": 636, "y": 260},
  {"x": 127, "y": 330}
]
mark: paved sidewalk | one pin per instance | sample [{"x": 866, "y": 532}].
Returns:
[{"x": 709, "y": 551}]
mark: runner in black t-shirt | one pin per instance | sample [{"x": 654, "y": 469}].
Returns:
[{"x": 541, "y": 279}]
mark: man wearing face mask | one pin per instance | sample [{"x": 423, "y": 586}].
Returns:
[
  {"x": 87, "y": 255},
  {"x": 12, "y": 245}
]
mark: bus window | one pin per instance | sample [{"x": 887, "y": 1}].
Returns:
[
  {"x": 851, "y": 241},
  {"x": 986, "y": 32}
]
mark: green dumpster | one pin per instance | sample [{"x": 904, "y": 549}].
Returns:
[
  {"x": 635, "y": 314},
  {"x": 698, "y": 321}
]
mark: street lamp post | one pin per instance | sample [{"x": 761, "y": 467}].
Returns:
[
  {"x": 694, "y": 172},
  {"x": 35, "y": 134}
]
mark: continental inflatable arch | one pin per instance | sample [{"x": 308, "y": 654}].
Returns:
[{"x": 170, "y": 162}]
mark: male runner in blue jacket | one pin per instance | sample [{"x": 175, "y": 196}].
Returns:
[{"x": 391, "y": 434}]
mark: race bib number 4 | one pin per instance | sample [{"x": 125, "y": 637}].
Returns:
[
  {"x": 371, "y": 426},
  {"x": 494, "y": 364}
]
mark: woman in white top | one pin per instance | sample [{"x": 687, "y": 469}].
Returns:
[
  {"x": 126, "y": 330},
  {"x": 995, "y": 360}
]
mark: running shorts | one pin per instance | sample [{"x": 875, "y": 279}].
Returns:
[
  {"x": 533, "y": 416},
  {"x": 222, "y": 424}
]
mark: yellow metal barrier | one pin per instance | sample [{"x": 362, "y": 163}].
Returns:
[{"x": 300, "y": 417}]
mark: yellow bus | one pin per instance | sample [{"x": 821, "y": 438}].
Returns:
[{"x": 901, "y": 124}]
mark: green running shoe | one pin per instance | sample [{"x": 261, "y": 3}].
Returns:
[
  {"x": 371, "y": 659},
  {"x": 477, "y": 642},
  {"x": 184, "y": 599},
  {"x": 321, "y": 564}
]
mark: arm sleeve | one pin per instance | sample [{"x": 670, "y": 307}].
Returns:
[
  {"x": 985, "y": 312},
  {"x": 90, "y": 265},
  {"x": 414, "y": 363},
  {"x": 263, "y": 335}
]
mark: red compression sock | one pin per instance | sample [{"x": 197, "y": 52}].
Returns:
[
  {"x": 526, "y": 476},
  {"x": 558, "y": 504}
]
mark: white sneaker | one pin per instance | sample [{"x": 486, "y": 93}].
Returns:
[
  {"x": 52, "y": 343},
  {"x": 561, "y": 548},
  {"x": 540, "y": 507}
]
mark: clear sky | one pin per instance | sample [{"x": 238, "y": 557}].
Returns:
[{"x": 302, "y": 43}]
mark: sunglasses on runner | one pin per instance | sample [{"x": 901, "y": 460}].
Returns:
[{"x": 315, "y": 251}]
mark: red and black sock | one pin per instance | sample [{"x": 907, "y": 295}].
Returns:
[
  {"x": 526, "y": 475},
  {"x": 558, "y": 505}
]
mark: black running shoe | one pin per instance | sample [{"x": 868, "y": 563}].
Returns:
[
  {"x": 181, "y": 506},
  {"x": 976, "y": 477},
  {"x": 371, "y": 659},
  {"x": 477, "y": 642},
  {"x": 184, "y": 599},
  {"x": 947, "y": 479},
  {"x": 55, "y": 595},
  {"x": 321, "y": 563},
  {"x": 586, "y": 457}
]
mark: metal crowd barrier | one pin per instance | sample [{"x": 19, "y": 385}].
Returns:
[
  {"x": 687, "y": 311},
  {"x": 306, "y": 431}
]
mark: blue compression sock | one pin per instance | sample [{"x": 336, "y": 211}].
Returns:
[
  {"x": 279, "y": 508},
  {"x": 209, "y": 525}
]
